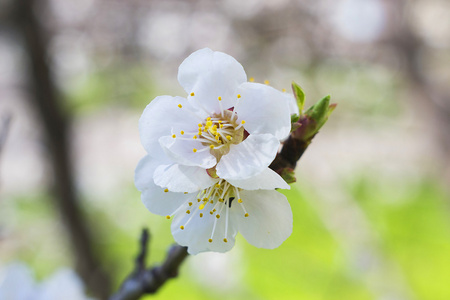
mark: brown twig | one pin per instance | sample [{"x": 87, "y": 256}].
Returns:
[{"x": 148, "y": 281}]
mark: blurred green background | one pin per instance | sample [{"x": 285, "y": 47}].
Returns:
[{"x": 371, "y": 203}]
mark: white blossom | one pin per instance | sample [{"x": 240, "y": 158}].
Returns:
[
  {"x": 17, "y": 283},
  {"x": 208, "y": 157},
  {"x": 225, "y": 122}
]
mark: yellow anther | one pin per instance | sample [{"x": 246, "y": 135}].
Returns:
[
  {"x": 225, "y": 240},
  {"x": 266, "y": 82},
  {"x": 217, "y": 185},
  {"x": 214, "y": 210},
  {"x": 206, "y": 199},
  {"x": 239, "y": 95},
  {"x": 194, "y": 150},
  {"x": 208, "y": 119},
  {"x": 211, "y": 146},
  {"x": 221, "y": 125},
  {"x": 210, "y": 240},
  {"x": 198, "y": 199},
  {"x": 246, "y": 215},
  {"x": 251, "y": 79},
  {"x": 219, "y": 98},
  {"x": 202, "y": 206},
  {"x": 200, "y": 125},
  {"x": 201, "y": 215},
  {"x": 166, "y": 190},
  {"x": 211, "y": 212},
  {"x": 188, "y": 211},
  {"x": 180, "y": 106},
  {"x": 212, "y": 203},
  {"x": 283, "y": 90},
  {"x": 190, "y": 203},
  {"x": 181, "y": 227},
  {"x": 220, "y": 122},
  {"x": 228, "y": 137},
  {"x": 240, "y": 200},
  {"x": 192, "y": 94},
  {"x": 194, "y": 137},
  {"x": 168, "y": 217},
  {"x": 182, "y": 132},
  {"x": 220, "y": 200},
  {"x": 242, "y": 122},
  {"x": 174, "y": 136},
  {"x": 185, "y": 192},
  {"x": 218, "y": 216}
]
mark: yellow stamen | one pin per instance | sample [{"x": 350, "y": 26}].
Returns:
[
  {"x": 202, "y": 206},
  {"x": 188, "y": 211},
  {"x": 166, "y": 190},
  {"x": 211, "y": 146},
  {"x": 283, "y": 90},
  {"x": 181, "y": 227},
  {"x": 239, "y": 95},
  {"x": 194, "y": 150},
  {"x": 228, "y": 137},
  {"x": 192, "y": 94},
  {"x": 182, "y": 132},
  {"x": 220, "y": 98},
  {"x": 217, "y": 216},
  {"x": 266, "y": 82},
  {"x": 242, "y": 122},
  {"x": 190, "y": 203},
  {"x": 225, "y": 240},
  {"x": 246, "y": 215},
  {"x": 194, "y": 137},
  {"x": 168, "y": 217},
  {"x": 251, "y": 79},
  {"x": 210, "y": 240},
  {"x": 180, "y": 106},
  {"x": 174, "y": 136},
  {"x": 201, "y": 215},
  {"x": 240, "y": 200}
]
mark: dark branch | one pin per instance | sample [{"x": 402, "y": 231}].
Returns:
[{"x": 148, "y": 281}]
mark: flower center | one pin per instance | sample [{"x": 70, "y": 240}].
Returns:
[
  {"x": 214, "y": 201},
  {"x": 219, "y": 132}
]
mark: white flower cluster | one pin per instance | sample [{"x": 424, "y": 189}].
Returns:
[
  {"x": 208, "y": 157},
  {"x": 17, "y": 283}
]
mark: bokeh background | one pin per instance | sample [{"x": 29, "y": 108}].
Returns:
[{"x": 371, "y": 203}]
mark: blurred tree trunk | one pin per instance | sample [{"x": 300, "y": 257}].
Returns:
[{"x": 55, "y": 122}]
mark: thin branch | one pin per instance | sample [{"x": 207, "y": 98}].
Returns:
[{"x": 148, "y": 281}]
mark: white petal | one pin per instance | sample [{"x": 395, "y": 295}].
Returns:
[
  {"x": 179, "y": 178},
  {"x": 163, "y": 117},
  {"x": 267, "y": 180},
  {"x": 159, "y": 202},
  {"x": 197, "y": 232},
  {"x": 181, "y": 151},
  {"x": 154, "y": 197},
  {"x": 269, "y": 222},
  {"x": 248, "y": 158},
  {"x": 143, "y": 175},
  {"x": 209, "y": 75},
  {"x": 264, "y": 109}
]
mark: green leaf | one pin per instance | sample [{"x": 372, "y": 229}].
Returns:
[{"x": 299, "y": 95}]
